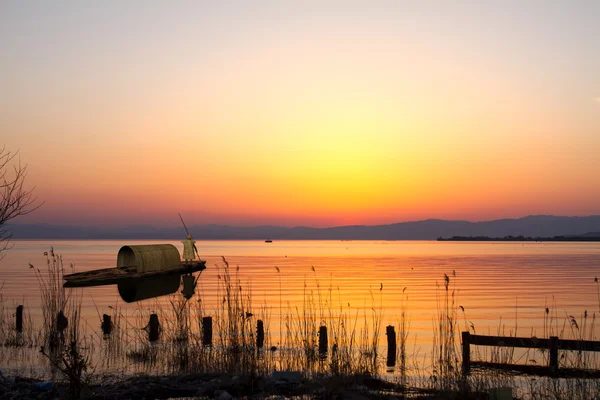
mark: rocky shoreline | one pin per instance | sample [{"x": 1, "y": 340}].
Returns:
[{"x": 279, "y": 385}]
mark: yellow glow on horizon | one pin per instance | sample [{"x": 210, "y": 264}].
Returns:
[{"x": 306, "y": 118}]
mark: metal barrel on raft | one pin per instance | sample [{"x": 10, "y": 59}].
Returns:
[{"x": 148, "y": 259}]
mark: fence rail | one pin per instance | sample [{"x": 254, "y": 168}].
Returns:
[{"x": 552, "y": 344}]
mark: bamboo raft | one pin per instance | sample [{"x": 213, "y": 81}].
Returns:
[
  {"x": 142, "y": 272},
  {"x": 112, "y": 276}
]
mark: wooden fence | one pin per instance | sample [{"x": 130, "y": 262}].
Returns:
[{"x": 552, "y": 344}]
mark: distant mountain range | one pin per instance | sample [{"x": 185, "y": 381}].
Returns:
[{"x": 430, "y": 229}]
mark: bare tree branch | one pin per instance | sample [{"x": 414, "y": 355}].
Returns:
[{"x": 15, "y": 199}]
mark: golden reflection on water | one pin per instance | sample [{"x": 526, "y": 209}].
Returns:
[{"x": 497, "y": 284}]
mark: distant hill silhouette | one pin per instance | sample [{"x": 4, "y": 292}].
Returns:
[
  {"x": 592, "y": 234},
  {"x": 430, "y": 229}
]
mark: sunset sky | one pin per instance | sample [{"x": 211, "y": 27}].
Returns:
[{"x": 300, "y": 113}]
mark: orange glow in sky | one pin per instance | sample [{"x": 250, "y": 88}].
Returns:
[{"x": 303, "y": 114}]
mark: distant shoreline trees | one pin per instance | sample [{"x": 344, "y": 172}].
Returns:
[
  {"x": 15, "y": 198},
  {"x": 589, "y": 237}
]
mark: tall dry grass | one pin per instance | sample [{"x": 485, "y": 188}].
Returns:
[
  {"x": 446, "y": 363},
  {"x": 63, "y": 341},
  {"x": 55, "y": 301},
  {"x": 354, "y": 333}
]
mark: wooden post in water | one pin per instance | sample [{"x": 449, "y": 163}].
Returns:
[
  {"x": 61, "y": 322},
  {"x": 466, "y": 353},
  {"x": 207, "y": 331},
  {"x": 153, "y": 328},
  {"x": 19, "y": 319},
  {"x": 554, "y": 354},
  {"x": 390, "y": 331},
  {"x": 260, "y": 334},
  {"x": 106, "y": 324},
  {"x": 323, "y": 341}
]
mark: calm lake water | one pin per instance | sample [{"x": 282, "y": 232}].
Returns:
[{"x": 497, "y": 284}]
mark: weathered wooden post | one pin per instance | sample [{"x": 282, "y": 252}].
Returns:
[
  {"x": 554, "y": 354},
  {"x": 207, "y": 331},
  {"x": 260, "y": 334},
  {"x": 106, "y": 324},
  {"x": 19, "y": 319},
  {"x": 323, "y": 342},
  {"x": 390, "y": 331},
  {"x": 466, "y": 353},
  {"x": 153, "y": 328},
  {"x": 61, "y": 322}
]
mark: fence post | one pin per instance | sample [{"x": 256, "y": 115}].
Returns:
[
  {"x": 391, "y": 342},
  {"x": 466, "y": 353},
  {"x": 207, "y": 331},
  {"x": 554, "y": 354},
  {"x": 19, "y": 319},
  {"x": 106, "y": 324},
  {"x": 323, "y": 341},
  {"x": 260, "y": 334},
  {"x": 153, "y": 328}
]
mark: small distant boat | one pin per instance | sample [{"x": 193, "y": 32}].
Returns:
[{"x": 268, "y": 241}]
